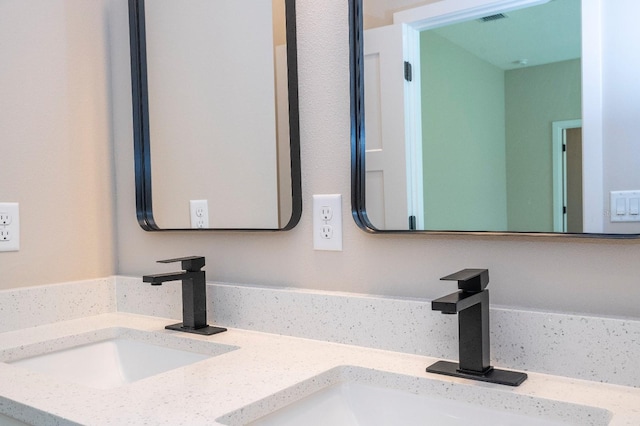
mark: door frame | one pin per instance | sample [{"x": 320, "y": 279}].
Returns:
[{"x": 559, "y": 163}]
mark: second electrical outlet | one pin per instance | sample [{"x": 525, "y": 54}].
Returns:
[
  {"x": 327, "y": 222},
  {"x": 9, "y": 227},
  {"x": 199, "y": 213}
]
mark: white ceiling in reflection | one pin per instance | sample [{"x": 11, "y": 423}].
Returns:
[{"x": 536, "y": 35}]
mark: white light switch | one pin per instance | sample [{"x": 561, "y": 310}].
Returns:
[{"x": 625, "y": 206}]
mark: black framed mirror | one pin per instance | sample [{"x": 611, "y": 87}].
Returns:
[
  {"x": 434, "y": 83},
  {"x": 215, "y": 114}
]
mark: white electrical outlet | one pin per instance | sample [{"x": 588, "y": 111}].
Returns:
[
  {"x": 9, "y": 227},
  {"x": 5, "y": 218},
  {"x": 199, "y": 213},
  {"x": 327, "y": 222}
]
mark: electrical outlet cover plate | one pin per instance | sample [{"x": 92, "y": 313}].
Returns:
[
  {"x": 9, "y": 227},
  {"x": 327, "y": 222},
  {"x": 199, "y": 210}
]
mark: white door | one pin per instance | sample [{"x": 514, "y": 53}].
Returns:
[{"x": 387, "y": 200}]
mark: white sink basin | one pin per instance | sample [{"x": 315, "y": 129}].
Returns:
[
  {"x": 356, "y": 396},
  {"x": 113, "y": 357}
]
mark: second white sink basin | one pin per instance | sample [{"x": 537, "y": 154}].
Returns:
[
  {"x": 350, "y": 396},
  {"x": 115, "y": 357},
  {"x": 353, "y": 404}
]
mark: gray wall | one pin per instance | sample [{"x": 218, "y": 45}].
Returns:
[
  {"x": 621, "y": 101},
  {"x": 56, "y": 156}
]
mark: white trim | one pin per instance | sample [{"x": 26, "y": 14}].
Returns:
[
  {"x": 451, "y": 11},
  {"x": 559, "y": 170},
  {"x": 413, "y": 126},
  {"x": 592, "y": 134}
]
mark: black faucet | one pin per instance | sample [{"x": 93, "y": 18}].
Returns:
[
  {"x": 471, "y": 303},
  {"x": 194, "y": 295}
]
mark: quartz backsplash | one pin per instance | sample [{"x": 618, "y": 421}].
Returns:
[{"x": 602, "y": 349}]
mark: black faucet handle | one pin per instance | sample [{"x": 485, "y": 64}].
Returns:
[
  {"x": 189, "y": 264},
  {"x": 473, "y": 280}
]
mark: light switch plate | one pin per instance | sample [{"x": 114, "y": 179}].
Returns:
[
  {"x": 9, "y": 227},
  {"x": 624, "y": 206}
]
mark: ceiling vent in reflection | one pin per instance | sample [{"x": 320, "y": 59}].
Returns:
[{"x": 491, "y": 18}]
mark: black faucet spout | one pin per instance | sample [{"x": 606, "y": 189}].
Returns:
[
  {"x": 459, "y": 301},
  {"x": 158, "y": 279}
]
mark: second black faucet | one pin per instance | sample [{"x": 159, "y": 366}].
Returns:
[{"x": 471, "y": 303}]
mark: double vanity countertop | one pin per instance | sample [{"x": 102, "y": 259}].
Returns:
[{"x": 262, "y": 365}]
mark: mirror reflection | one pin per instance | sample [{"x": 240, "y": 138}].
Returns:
[
  {"x": 218, "y": 134},
  {"x": 473, "y": 119}
]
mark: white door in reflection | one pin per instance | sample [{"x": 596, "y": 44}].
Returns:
[{"x": 393, "y": 179}]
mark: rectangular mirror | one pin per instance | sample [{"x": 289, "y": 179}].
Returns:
[
  {"x": 484, "y": 117},
  {"x": 215, "y": 109}
]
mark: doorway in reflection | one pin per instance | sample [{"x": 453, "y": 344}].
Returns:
[{"x": 464, "y": 140}]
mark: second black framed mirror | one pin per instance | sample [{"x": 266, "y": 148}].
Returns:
[{"x": 464, "y": 118}]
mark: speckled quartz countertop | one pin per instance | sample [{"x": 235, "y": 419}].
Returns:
[{"x": 262, "y": 365}]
